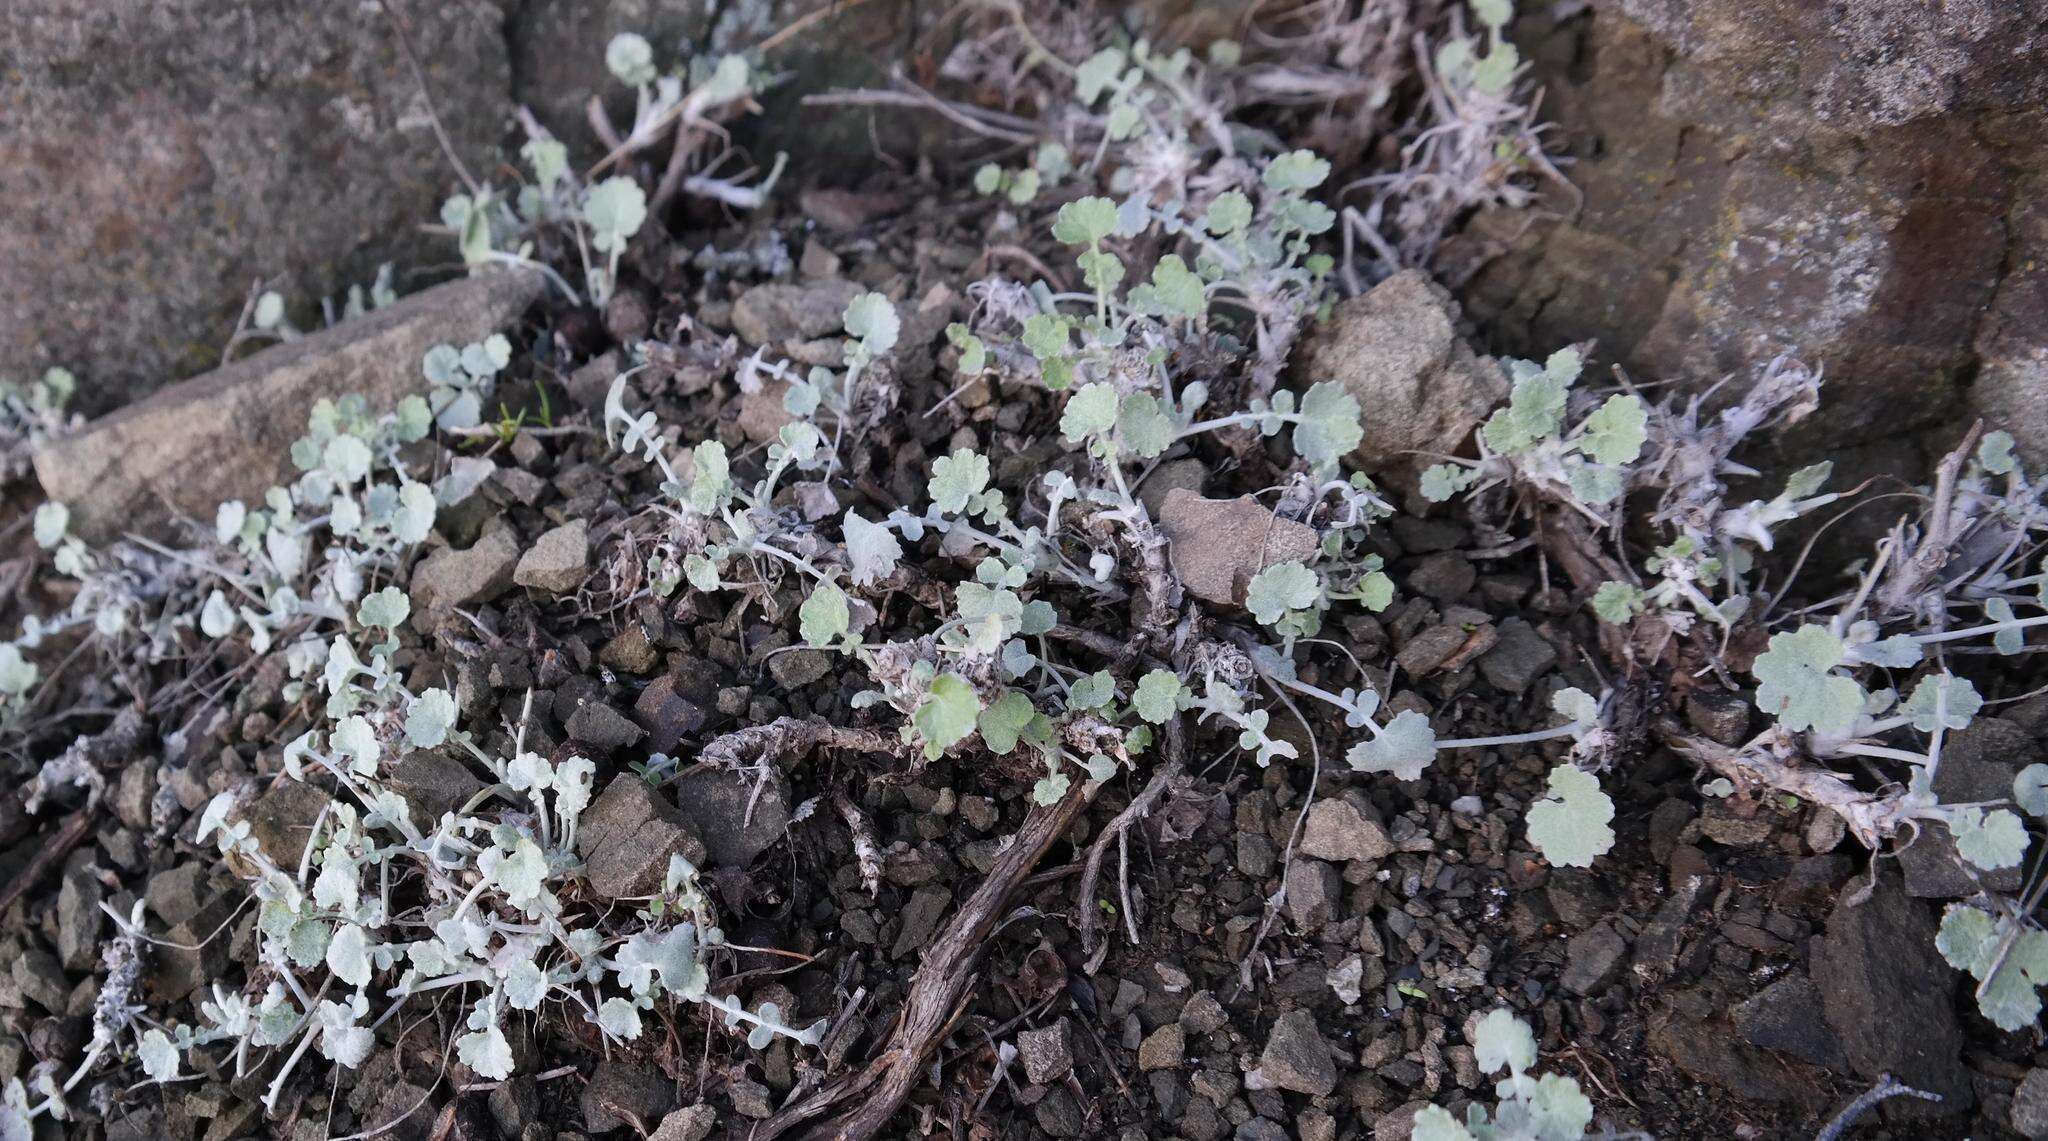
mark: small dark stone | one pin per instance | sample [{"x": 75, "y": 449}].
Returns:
[
  {"x": 1707, "y": 1052},
  {"x": 1787, "y": 1016},
  {"x": 1429, "y": 649},
  {"x": 1445, "y": 576},
  {"x": 666, "y": 715},
  {"x": 433, "y": 783},
  {"x": 1592, "y": 958},
  {"x": 921, "y": 918},
  {"x": 794, "y": 669},
  {"x": 750, "y": 1099},
  {"x": 1718, "y": 715},
  {"x": 625, "y": 1095},
  {"x": 1518, "y": 659},
  {"x": 1658, "y": 947},
  {"x": 739, "y": 816},
  {"x": 2029, "y": 1105},
  {"x": 1058, "y": 1114},
  {"x": 629, "y": 651},
  {"x": 602, "y": 728}
]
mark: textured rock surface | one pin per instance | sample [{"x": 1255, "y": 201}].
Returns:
[
  {"x": 158, "y": 156},
  {"x": 1219, "y": 544},
  {"x": 627, "y": 836},
  {"x": 1887, "y": 996},
  {"x": 1397, "y": 349},
  {"x": 1854, "y": 183},
  {"x": 134, "y": 469}
]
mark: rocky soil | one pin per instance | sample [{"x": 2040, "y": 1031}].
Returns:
[{"x": 1733, "y": 968}]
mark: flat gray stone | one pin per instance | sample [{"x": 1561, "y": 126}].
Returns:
[
  {"x": 227, "y": 434},
  {"x": 450, "y": 578},
  {"x": 1518, "y": 659},
  {"x": 1219, "y": 544},
  {"x": 558, "y": 561}
]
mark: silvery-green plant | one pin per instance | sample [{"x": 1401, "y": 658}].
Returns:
[
  {"x": 31, "y": 413},
  {"x": 1869, "y": 673},
  {"x": 1531, "y": 1108},
  {"x": 279, "y": 574}
]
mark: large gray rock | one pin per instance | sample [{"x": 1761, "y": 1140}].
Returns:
[
  {"x": 159, "y": 156},
  {"x": 1849, "y": 182},
  {"x": 228, "y": 434},
  {"x": 558, "y": 561}
]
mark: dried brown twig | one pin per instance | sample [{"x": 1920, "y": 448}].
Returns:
[
  {"x": 1139, "y": 808},
  {"x": 937, "y": 998}
]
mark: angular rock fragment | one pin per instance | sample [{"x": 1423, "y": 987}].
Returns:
[
  {"x": 773, "y": 313},
  {"x": 1296, "y": 1057},
  {"x": 558, "y": 561},
  {"x": 1339, "y": 830},
  {"x": 627, "y": 836},
  {"x": 1396, "y": 348},
  {"x": 450, "y": 578},
  {"x": 1217, "y": 545}
]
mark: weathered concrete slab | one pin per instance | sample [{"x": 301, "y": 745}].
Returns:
[{"x": 227, "y": 434}]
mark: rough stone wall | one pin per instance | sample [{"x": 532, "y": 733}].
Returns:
[
  {"x": 158, "y": 156},
  {"x": 1852, "y": 181}
]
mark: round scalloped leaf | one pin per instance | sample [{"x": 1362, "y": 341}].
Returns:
[
  {"x": 1503, "y": 1042},
  {"x": 429, "y": 720},
  {"x": 1158, "y": 696},
  {"x": 947, "y": 714},
  {"x": 1942, "y": 699},
  {"x": 824, "y": 616},
  {"x": 956, "y": 479},
  {"x": 1614, "y": 433},
  {"x": 1091, "y": 410},
  {"x": 1570, "y": 826},
  {"x": 1404, "y": 748},
  {"x": 873, "y": 319},
  {"x": 1990, "y": 840},
  {"x": 1797, "y": 688},
  {"x": 1280, "y": 588},
  {"x": 1085, "y": 221},
  {"x": 1435, "y": 1123},
  {"x": 2030, "y": 789}
]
